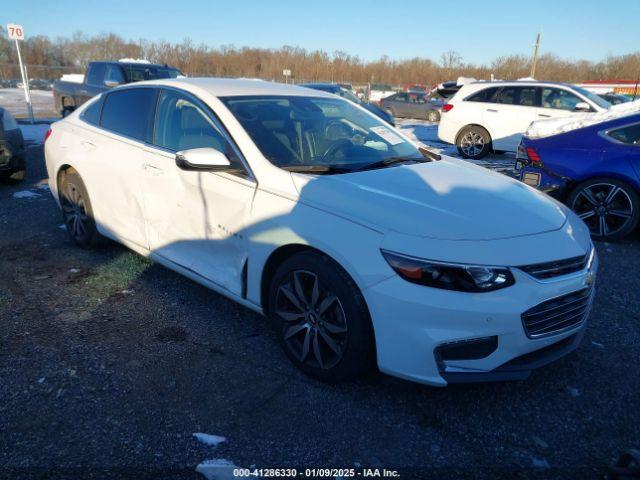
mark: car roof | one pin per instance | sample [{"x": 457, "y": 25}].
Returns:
[
  {"x": 136, "y": 64},
  {"x": 333, "y": 86},
  {"x": 514, "y": 83},
  {"x": 228, "y": 87}
]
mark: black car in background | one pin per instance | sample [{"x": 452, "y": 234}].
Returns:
[
  {"x": 12, "y": 152},
  {"x": 349, "y": 95}
]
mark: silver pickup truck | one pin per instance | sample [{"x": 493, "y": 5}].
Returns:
[{"x": 101, "y": 76}]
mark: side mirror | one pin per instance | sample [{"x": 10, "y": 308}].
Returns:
[
  {"x": 582, "y": 107},
  {"x": 203, "y": 159},
  {"x": 111, "y": 83}
]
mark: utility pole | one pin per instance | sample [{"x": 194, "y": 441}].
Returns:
[{"x": 535, "y": 57}]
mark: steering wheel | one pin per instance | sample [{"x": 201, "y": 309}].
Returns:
[{"x": 336, "y": 147}]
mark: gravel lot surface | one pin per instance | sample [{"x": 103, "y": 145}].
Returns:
[{"x": 109, "y": 364}]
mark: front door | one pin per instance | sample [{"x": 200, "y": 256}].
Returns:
[{"x": 196, "y": 218}]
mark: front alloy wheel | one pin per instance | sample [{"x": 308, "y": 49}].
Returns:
[
  {"x": 321, "y": 317},
  {"x": 607, "y": 207},
  {"x": 314, "y": 328}
]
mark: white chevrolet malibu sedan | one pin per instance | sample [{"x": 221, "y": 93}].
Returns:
[{"x": 362, "y": 248}]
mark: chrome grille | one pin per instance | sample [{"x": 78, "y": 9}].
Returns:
[
  {"x": 557, "y": 268},
  {"x": 558, "y": 314}
]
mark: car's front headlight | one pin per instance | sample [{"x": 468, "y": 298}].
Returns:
[{"x": 450, "y": 276}]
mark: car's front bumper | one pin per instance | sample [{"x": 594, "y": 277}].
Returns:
[{"x": 413, "y": 322}]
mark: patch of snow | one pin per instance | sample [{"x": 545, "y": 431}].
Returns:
[
  {"x": 73, "y": 270},
  {"x": 134, "y": 60},
  {"x": 73, "y": 77},
  {"x": 43, "y": 186},
  {"x": 12, "y": 99},
  {"x": 41, "y": 380},
  {"x": 464, "y": 80},
  {"x": 25, "y": 194},
  {"x": 217, "y": 469},
  {"x": 62, "y": 227},
  {"x": 555, "y": 126},
  {"x": 205, "y": 438}
]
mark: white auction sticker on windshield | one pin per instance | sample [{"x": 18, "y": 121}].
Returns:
[{"x": 387, "y": 135}]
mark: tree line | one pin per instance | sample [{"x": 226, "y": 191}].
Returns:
[{"x": 48, "y": 58}]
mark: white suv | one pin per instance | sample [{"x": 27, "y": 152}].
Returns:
[{"x": 486, "y": 116}]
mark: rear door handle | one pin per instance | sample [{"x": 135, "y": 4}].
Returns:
[
  {"x": 492, "y": 110},
  {"x": 544, "y": 116}
]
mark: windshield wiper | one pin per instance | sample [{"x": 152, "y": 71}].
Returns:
[
  {"x": 390, "y": 161},
  {"x": 319, "y": 169},
  {"x": 429, "y": 154}
]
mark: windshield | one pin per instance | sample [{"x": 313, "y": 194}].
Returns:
[
  {"x": 293, "y": 131},
  {"x": 349, "y": 95},
  {"x": 601, "y": 102}
]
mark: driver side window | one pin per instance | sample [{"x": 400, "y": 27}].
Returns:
[
  {"x": 559, "y": 99},
  {"x": 182, "y": 124}
]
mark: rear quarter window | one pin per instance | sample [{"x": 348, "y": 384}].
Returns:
[
  {"x": 629, "y": 135},
  {"x": 91, "y": 114},
  {"x": 130, "y": 112},
  {"x": 486, "y": 95}
]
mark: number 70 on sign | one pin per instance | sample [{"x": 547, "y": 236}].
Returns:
[{"x": 16, "y": 32}]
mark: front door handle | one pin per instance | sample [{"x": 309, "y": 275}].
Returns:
[
  {"x": 492, "y": 110},
  {"x": 152, "y": 169},
  {"x": 544, "y": 116},
  {"x": 88, "y": 145}
]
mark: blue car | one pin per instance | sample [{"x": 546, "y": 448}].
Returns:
[
  {"x": 595, "y": 170},
  {"x": 348, "y": 95}
]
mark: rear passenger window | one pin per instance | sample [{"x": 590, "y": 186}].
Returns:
[
  {"x": 507, "y": 96},
  {"x": 91, "y": 114},
  {"x": 527, "y": 97},
  {"x": 629, "y": 135},
  {"x": 485, "y": 95},
  {"x": 130, "y": 112}
]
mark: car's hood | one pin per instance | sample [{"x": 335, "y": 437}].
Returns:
[{"x": 449, "y": 199}]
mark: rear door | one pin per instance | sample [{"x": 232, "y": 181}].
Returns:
[
  {"x": 400, "y": 104},
  {"x": 512, "y": 110},
  {"x": 126, "y": 127}
]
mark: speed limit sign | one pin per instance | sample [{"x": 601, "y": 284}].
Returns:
[{"x": 16, "y": 32}]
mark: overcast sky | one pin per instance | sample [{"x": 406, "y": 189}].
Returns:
[{"x": 479, "y": 30}]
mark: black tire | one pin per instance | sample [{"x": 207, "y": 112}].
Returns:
[
  {"x": 433, "y": 116},
  {"x": 609, "y": 207},
  {"x": 473, "y": 142},
  {"x": 13, "y": 178},
  {"x": 77, "y": 212},
  {"x": 337, "y": 311}
]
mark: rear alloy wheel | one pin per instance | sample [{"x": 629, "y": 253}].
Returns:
[
  {"x": 608, "y": 207},
  {"x": 77, "y": 212},
  {"x": 433, "y": 116},
  {"x": 321, "y": 317},
  {"x": 473, "y": 142}
]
